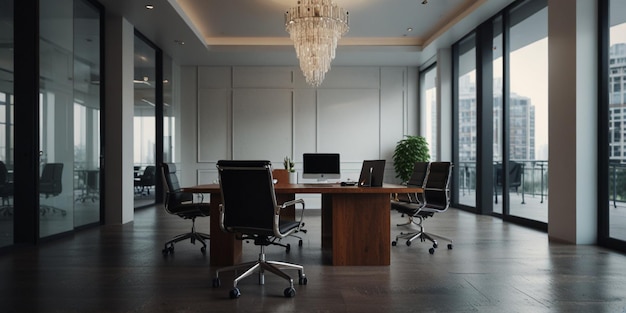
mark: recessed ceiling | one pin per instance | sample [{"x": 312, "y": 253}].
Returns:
[{"x": 252, "y": 32}]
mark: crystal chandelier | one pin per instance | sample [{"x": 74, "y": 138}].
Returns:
[{"x": 315, "y": 26}]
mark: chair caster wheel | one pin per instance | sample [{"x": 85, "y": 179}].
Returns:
[
  {"x": 288, "y": 248},
  {"x": 234, "y": 293},
  {"x": 431, "y": 250},
  {"x": 300, "y": 243},
  {"x": 290, "y": 292},
  {"x": 449, "y": 246},
  {"x": 435, "y": 245},
  {"x": 168, "y": 250},
  {"x": 216, "y": 282},
  {"x": 393, "y": 243},
  {"x": 303, "y": 281},
  {"x": 203, "y": 250},
  {"x": 408, "y": 243}
]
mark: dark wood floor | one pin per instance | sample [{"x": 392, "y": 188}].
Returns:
[{"x": 494, "y": 267}]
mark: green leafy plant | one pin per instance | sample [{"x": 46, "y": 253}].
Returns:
[
  {"x": 409, "y": 150},
  {"x": 289, "y": 164}
]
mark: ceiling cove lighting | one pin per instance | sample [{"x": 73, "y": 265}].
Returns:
[{"x": 315, "y": 26}]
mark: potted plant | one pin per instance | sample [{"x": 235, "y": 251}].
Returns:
[
  {"x": 409, "y": 150},
  {"x": 290, "y": 166}
]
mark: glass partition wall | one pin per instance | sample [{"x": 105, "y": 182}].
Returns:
[
  {"x": 144, "y": 122},
  {"x": 69, "y": 111},
  {"x": 6, "y": 123}
]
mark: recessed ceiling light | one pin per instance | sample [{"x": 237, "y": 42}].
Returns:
[
  {"x": 149, "y": 6},
  {"x": 409, "y": 29},
  {"x": 180, "y": 42}
]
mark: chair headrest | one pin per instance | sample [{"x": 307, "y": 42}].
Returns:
[
  {"x": 243, "y": 163},
  {"x": 169, "y": 167}
]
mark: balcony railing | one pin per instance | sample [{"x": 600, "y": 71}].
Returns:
[{"x": 535, "y": 180}]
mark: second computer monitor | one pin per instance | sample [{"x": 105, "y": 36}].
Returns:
[{"x": 372, "y": 173}]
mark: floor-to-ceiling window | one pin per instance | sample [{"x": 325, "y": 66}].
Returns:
[
  {"x": 144, "y": 122},
  {"x": 466, "y": 121},
  {"x": 6, "y": 123},
  {"x": 527, "y": 112},
  {"x": 501, "y": 115},
  {"x": 613, "y": 104},
  {"x": 498, "y": 112},
  {"x": 428, "y": 104}
]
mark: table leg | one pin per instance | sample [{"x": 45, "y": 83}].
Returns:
[
  {"x": 224, "y": 250},
  {"x": 356, "y": 229}
]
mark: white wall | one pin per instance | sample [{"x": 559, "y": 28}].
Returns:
[{"x": 270, "y": 113}]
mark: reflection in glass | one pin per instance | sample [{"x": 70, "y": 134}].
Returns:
[
  {"x": 6, "y": 125},
  {"x": 617, "y": 116}
]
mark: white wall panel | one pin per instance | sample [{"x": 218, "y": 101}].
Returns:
[
  {"x": 262, "y": 124},
  {"x": 213, "y": 124},
  {"x": 270, "y": 113},
  {"x": 214, "y": 77},
  {"x": 352, "y": 77},
  {"x": 263, "y": 77},
  {"x": 393, "y": 108},
  {"x": 348, "y": 123},
  {"x": 305, "y": 122}
]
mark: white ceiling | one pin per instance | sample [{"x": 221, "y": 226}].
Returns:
[{"x": 252, "y": 32}]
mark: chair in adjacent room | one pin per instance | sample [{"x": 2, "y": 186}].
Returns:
[
  {"x": 515, "y": 178},
  {"x": 51, "y": 185},
  {"x": 436, "y": 199},
  {"x": 146, "y": 180},
  {"x": 409, "y": 204},
  {"x": 6, "y": 190},
  {"x": 180, "y": 203},
  {"x": 249, "y": 210}
]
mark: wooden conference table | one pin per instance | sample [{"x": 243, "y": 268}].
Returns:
[{"x": 355, "y": 222}]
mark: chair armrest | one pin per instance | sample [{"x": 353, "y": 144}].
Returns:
[{"x": 289, "y": 204}]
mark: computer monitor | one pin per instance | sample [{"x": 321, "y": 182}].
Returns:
[
  {"x": 372, "y": 172},
  {"x": 321, "y": 166}
]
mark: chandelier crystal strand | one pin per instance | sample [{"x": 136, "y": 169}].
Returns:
[{"x": 315, "y": 27}]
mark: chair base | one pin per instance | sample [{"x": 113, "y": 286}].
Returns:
[
  {"x": 261, "y": 266},
  {"x": 46, "y": 209},
  {"x": 194, "y": 236},
  {"x": 422, "y": 235}
]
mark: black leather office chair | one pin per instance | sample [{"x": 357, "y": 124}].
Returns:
[
  {"x": 51, "y": 185},
  {"x": 436, "y": 199},
  {"x": 249, "y": 210},
  {"x": 181, "y": 203},
  {"x": 410, "y": 204}
]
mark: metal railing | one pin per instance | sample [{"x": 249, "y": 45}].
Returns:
[{"x": 534, "y": 178}]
